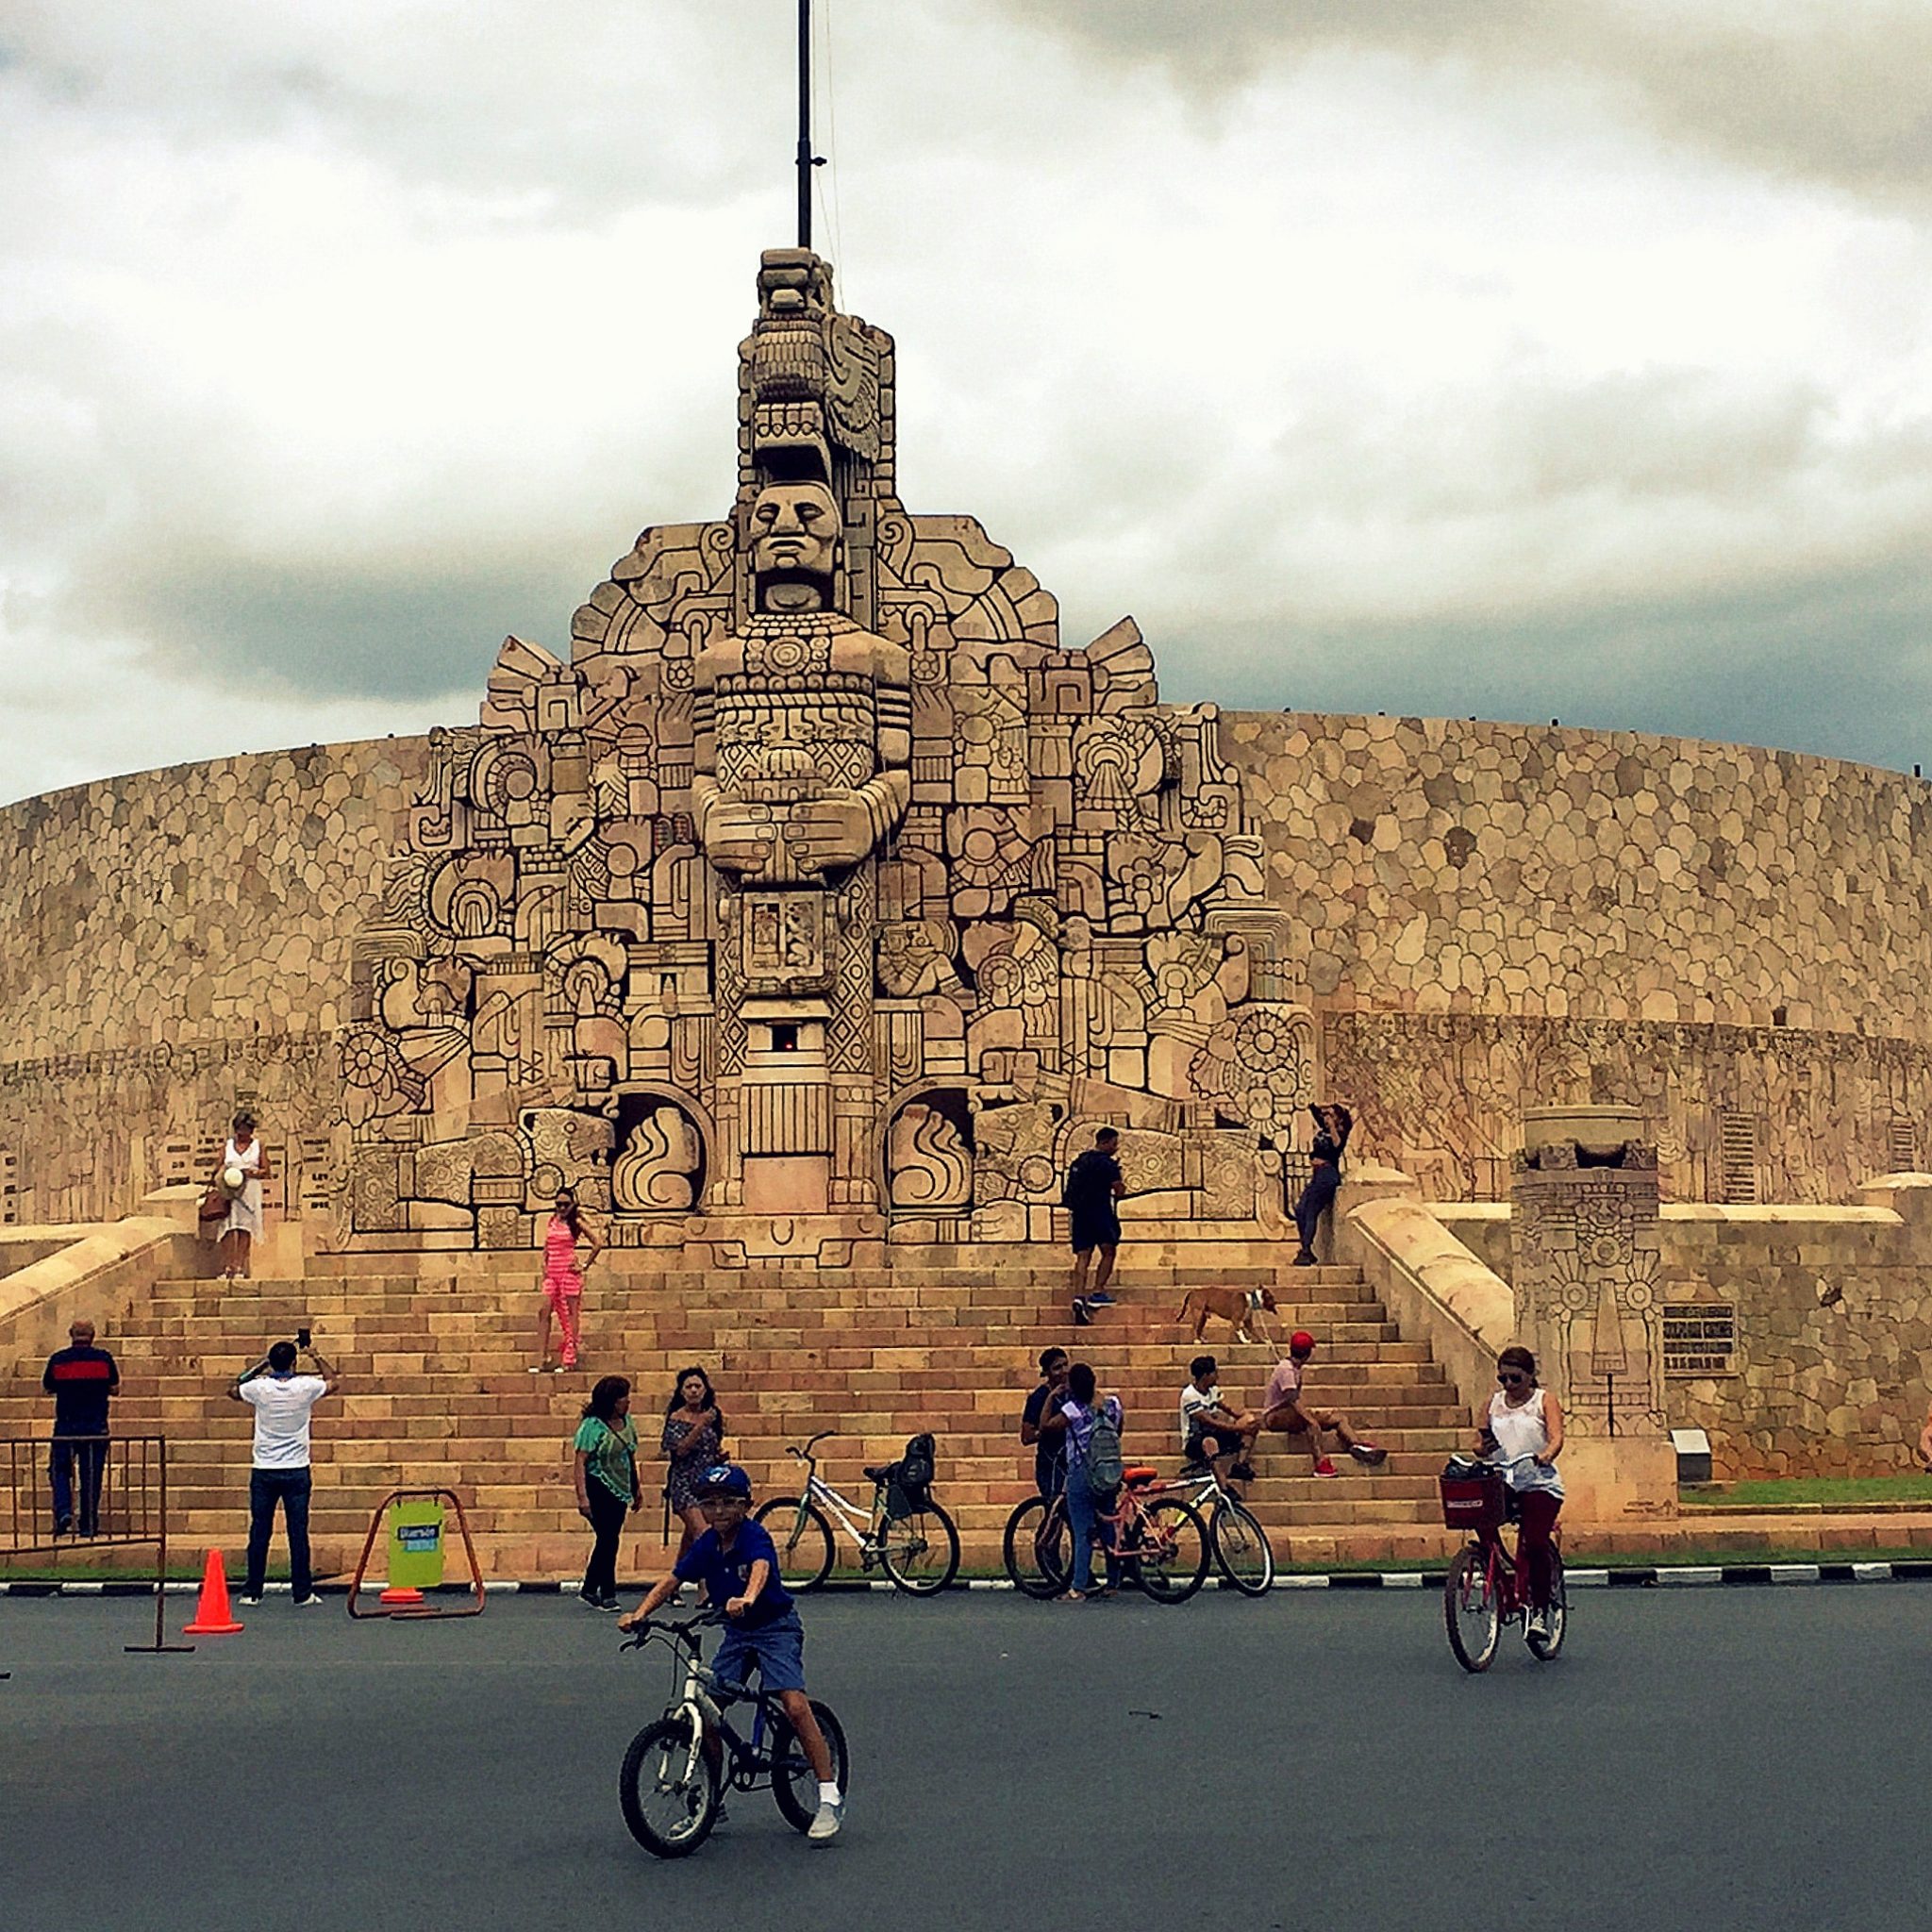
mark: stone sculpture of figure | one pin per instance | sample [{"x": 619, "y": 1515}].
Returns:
[{"x": 803, "y": 719}]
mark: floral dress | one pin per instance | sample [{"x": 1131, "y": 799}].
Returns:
[{"x": 690, "y": 1448}]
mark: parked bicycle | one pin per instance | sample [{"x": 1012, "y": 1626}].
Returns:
[
  {"x": 1035, "y": 1533},
  {"x": 905, "y": 1533},
  {"x": 1161, "y": 1539},
  {"x": 1486, "y": 1586},
  {"x": 679, "y": 1768}
]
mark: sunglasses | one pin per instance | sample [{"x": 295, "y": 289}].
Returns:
[{"x": 1512, "y": 1375}]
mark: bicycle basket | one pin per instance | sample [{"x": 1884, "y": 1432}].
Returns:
[{"x": 1473, "y": 1502}]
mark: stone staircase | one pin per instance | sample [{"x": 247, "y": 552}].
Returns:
[{"x": 433, "y": 1354}]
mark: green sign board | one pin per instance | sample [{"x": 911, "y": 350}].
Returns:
[{"x": 415, "y": 1544}]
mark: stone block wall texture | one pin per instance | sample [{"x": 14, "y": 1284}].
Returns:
[
  {"x": 1834, "y": 1337},
  {"x": 1481, "y": 915},
  {"x": 174, "y": 942}
]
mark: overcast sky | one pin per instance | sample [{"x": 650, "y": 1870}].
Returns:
[{"x": 1517, "y": 357}]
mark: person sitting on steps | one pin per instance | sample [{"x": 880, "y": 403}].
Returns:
[
  {"x": 1210, "y": 1428},
  {"x": 1283, "y": 1412}
]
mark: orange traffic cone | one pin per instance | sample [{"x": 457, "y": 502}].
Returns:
[
  {"x": 400, "y": 1594},
  {"x": 212, "y": 1616}
]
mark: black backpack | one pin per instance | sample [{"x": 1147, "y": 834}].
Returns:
[{"x": 912, "y": 1480}]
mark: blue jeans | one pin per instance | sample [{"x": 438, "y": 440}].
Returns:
[
  {"x": 266, "y": 1487},
  {"x": 92, "y": 1457},
  {"x": 1082, "y": 1515}
]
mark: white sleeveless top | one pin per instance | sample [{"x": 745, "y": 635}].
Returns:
[{"x": 1522, "y": 1431}]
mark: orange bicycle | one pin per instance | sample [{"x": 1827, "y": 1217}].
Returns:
[
  {"x": 1159, "y": 1540},
  {"x": 1487, "y": 1587}
]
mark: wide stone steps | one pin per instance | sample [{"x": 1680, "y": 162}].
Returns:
[{"x": 433, "y": 1354}]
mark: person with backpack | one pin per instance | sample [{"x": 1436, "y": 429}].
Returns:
[
  {"x": 1093, "y": 1187},
  {"x": 1095, "y": 1468}
]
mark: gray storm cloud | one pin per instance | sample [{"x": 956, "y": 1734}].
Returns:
[{"x": 1569, "y": 360}]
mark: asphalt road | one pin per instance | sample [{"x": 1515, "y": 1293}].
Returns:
[{"x": 1726, "y": 1758}]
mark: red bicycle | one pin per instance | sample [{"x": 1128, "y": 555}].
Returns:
[{"x": 1487, "y": 1587}]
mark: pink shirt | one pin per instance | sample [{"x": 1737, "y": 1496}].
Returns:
[{"x": 1284, "y": 1386}]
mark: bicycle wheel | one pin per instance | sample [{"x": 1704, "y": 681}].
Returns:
[
  {"x": 920, "y": 1552},
  {"x": 1544, "y": 1648},
  {"x": 1243, "y": 1549},
  {"x": 803, "y": 1538},
  {"x": 670, "y": 1802},
  {"x": 1170, "y": 1551},
  {"x": 795, "y": 1783},
  {"x": 1019, "y": 1545},
  {"x": 1470, "y": 1610},
  {"x": 1053, "y": 1555}
]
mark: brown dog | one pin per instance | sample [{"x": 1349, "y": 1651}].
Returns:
[{"x": 1237, "y": 1306}]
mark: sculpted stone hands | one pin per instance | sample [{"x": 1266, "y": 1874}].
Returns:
[
  {"x": 828, "y": 834},
  {"x": 739, "y": 835}
]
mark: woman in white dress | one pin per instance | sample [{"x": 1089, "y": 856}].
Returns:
[{"x": 243, "y": 1221}]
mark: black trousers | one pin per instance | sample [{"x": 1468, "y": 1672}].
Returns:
[
  {"x": 93, "y": 1458},
  {"x": 266, "y": 1487},
  {"x": 1317, "y": 1198},
  {"x": 606, "y": 1521}
]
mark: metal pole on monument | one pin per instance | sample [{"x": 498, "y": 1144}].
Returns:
[{"x": 807, "y": 161}]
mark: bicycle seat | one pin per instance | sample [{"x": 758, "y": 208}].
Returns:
[
  {"x": 883, "y": 1474},
  {"x": 1139, "y": 1472}
]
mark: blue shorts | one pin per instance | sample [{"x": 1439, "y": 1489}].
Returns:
[{"x": 776, "y": 1648}]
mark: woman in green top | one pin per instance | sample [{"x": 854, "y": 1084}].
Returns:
[{"x": 607, "y": 1471}]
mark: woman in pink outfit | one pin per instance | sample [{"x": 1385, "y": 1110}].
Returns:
[{"x": 563, "y": 1276}]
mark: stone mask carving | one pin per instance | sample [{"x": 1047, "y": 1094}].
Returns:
[{"x": 794, "y": 537}]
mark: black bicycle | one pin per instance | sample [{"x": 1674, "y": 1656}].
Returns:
[{"x": 672, "y": 1789}]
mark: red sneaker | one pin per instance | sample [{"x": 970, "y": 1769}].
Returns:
[{"x": 1326, "y": 1468}]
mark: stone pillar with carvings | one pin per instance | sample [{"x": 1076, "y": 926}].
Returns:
[{"x": 1586, "y": 1253}]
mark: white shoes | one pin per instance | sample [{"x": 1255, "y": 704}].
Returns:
[{"x": 824, "y": 1828}]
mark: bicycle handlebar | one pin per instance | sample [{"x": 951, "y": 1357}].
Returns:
[
  {"x": 805, "y": 1455},
  {"x": 678, "y": 1628}
]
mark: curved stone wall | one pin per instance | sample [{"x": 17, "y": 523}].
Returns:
[
  {"x": 1484, "y": 917},
  {"x": 171, "y": 941}
]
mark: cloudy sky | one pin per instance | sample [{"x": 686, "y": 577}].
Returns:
[{"x": 1517, "y": 357}]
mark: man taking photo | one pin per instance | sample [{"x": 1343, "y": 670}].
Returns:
[{"x": 282, "y": 1402}]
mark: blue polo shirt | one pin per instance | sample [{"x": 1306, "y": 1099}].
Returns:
[{"x": 725, "y": 1572}]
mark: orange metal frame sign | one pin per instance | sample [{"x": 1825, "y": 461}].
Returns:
[{"x": 473, "y": 1608}]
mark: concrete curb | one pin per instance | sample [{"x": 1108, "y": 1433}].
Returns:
[{"x": 1679, "y": 1575}]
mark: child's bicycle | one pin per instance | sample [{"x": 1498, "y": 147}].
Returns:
[
  {"x": 907, "y": 1534},
  {"x": 1486, "y": 1586},
  {"x": 1161, "y": 1540},
  {"x": 671, "y": 1792}
]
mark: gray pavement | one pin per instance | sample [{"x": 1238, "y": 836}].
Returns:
[{"x": 1738, "y": 1757}]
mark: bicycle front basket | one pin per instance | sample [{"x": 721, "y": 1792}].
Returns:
[{"x": 1473, "y": 1502}]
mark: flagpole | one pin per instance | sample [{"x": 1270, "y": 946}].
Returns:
[{"x": 806, "y": 159}]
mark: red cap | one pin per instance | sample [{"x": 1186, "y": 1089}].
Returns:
[{"x": 1301, "y": 1340}]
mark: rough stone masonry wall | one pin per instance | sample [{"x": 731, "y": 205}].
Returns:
[
  {"x": 171, "y": 941},
  {"x": 1494, "y": 916}
]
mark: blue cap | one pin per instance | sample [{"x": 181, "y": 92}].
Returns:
[{"x": 724, "y": 1479}]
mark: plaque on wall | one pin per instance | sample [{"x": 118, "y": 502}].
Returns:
[{"x": 1700, "y": 1338}]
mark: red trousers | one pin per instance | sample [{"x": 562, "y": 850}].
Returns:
[{"x": 1536, "y": 1512}]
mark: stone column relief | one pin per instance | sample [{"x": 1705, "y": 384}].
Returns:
[
  {"x": 822, "y": 891},
  {"x": 1584, "y": 1235}
]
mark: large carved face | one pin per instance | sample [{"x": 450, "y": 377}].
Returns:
[{"x": 794, "y": 530}]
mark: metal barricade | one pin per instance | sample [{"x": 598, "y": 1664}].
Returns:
[{"x": 117, "y": 1494}]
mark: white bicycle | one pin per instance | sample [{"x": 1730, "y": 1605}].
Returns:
[{"x": 905, "y": 1533}]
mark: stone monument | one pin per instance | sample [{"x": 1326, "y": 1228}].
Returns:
[{"x": 823, "y": 896}]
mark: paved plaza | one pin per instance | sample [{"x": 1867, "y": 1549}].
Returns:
[{"x": 1744, "y": 1757}]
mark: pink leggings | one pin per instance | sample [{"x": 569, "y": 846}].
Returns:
[{"x": 567, "y": 1307}]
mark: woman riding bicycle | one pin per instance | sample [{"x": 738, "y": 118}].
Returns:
[{"x": 1523, "y": 1433}]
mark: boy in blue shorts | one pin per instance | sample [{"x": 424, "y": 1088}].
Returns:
[{"x": 738, "y": 1566}]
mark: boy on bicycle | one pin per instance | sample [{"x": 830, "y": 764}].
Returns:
[{"x": 738, "y": 1565}]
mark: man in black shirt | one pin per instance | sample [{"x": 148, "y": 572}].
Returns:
[
  {"x": 1093, "y": 1185},
  {"x": 81, "y": 1378},
  {"x": 1042, "y": 1425}
]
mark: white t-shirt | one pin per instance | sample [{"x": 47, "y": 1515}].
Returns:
[
  {"x": 1193, "y": 1403},
  {"x": 281, "y": 1405}
]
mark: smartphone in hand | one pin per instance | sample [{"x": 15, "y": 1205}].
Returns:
[{"x": 302, "y": 1338}]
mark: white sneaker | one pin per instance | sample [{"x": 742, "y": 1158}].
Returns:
[
  {"x": 1539, "y": 1627},
  {"x": 824, "y": 1828}
]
